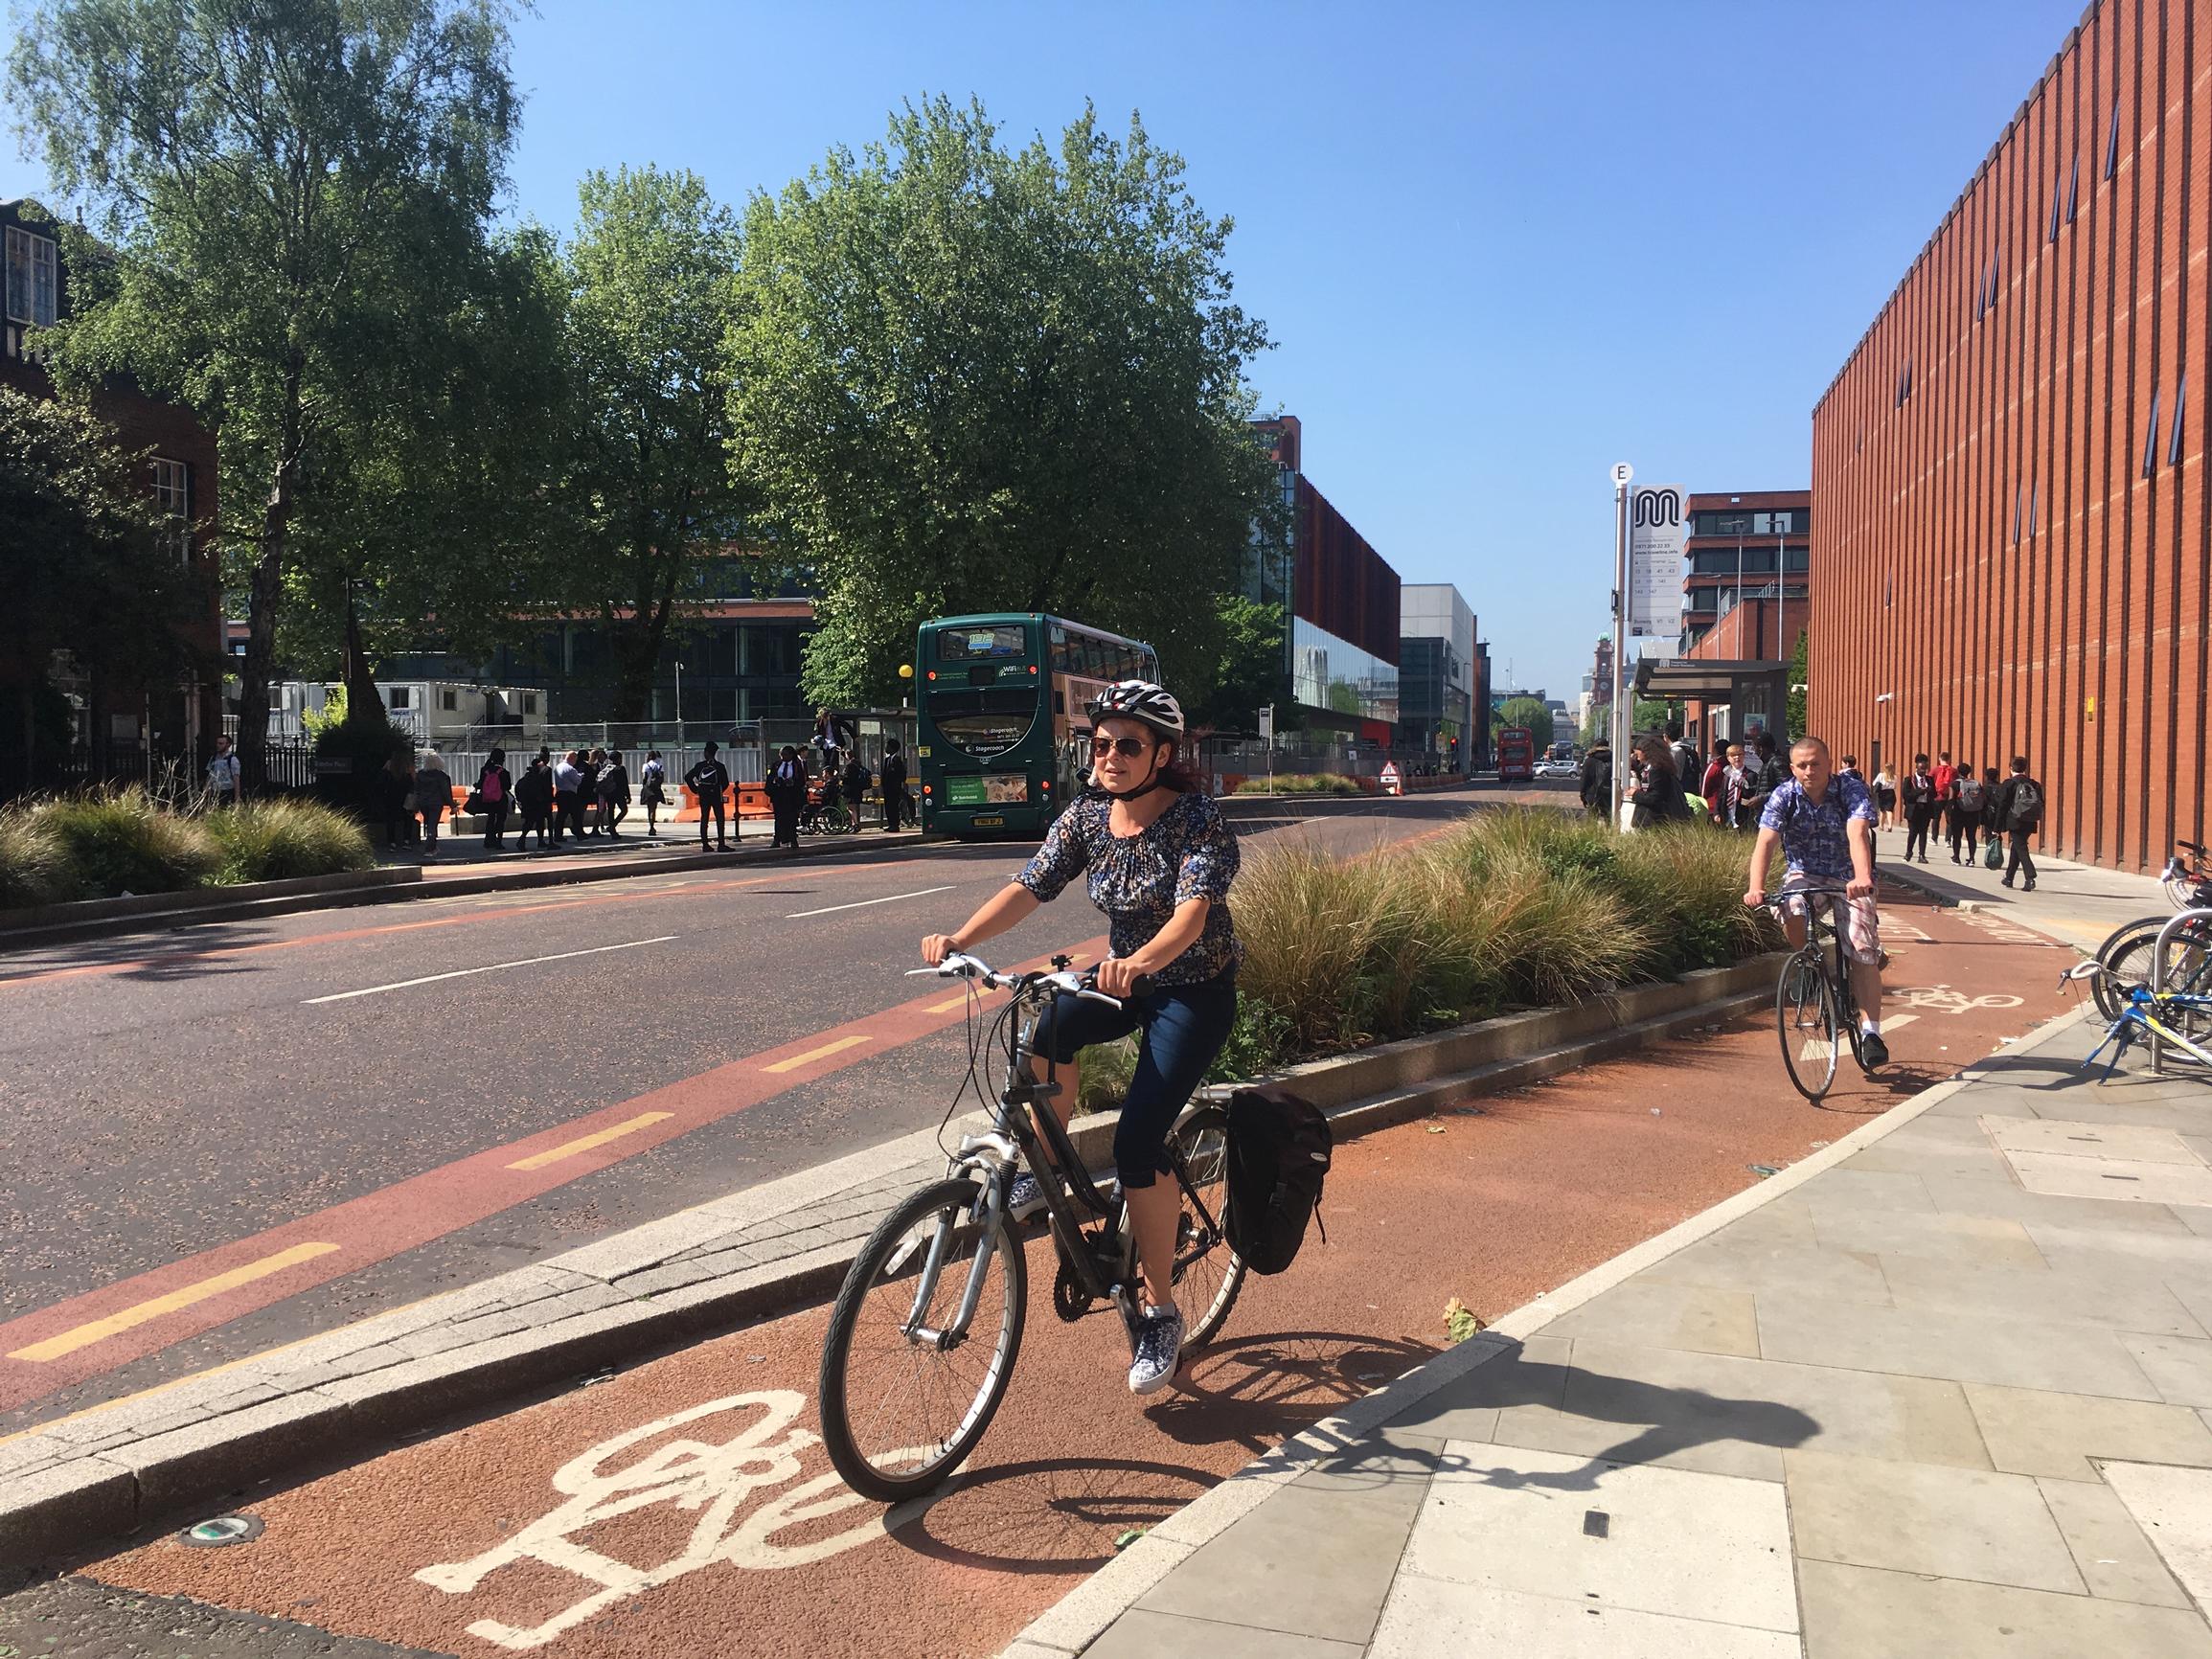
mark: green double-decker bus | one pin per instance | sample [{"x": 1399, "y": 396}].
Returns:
[{"x": 1002, "y": 739}]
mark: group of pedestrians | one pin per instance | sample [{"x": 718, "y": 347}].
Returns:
[
  {"x": 582, "y": 794},
  {"x": 1969, "y": 808},
  {"x": 586, "y": 794}
]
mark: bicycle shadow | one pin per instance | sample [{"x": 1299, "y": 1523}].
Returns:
[
  {"x": 1046, "y": 1516},
  {"x": 1556, "y": 1401},
  {"x": 1261, "y": 1390}
]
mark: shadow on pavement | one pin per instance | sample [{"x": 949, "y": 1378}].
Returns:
[{"x": 1668, "y": 1420}]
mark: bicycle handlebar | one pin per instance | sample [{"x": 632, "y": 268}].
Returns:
[{"x": 960, "y": 964}]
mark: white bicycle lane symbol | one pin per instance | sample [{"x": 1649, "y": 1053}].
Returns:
[
  {"x": 692, "y": 1475},
  {"x": 1942, "y": 999}
]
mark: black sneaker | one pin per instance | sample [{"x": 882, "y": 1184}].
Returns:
[
  {"x": 1159, "y": 1350},
  {"x": 1873, "y": 1052}
]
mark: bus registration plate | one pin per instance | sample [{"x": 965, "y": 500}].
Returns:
[{"x": 992, "y": 823}]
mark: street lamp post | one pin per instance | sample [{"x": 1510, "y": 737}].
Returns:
[{"x": 1623, "y": 472}]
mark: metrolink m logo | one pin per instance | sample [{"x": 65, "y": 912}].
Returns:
[{"x": 1656, "y": 506}]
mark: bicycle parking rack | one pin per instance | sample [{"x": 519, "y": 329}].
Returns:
[{"x": 2158, "y": 976}]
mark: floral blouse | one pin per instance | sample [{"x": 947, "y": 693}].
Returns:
[{"x": 1187, "y": 852}]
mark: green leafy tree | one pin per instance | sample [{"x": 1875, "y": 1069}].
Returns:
[
  {"x": 650, "y": 300},
  {"x": 439, "y": 516},
  {"x": 1530, "y": 713},
  {"x": 294, "y": 194},
  {"x": 1249, "y": 674},
  {"x": 88, "y": 563},
  {"x": 969, "y": 378}
]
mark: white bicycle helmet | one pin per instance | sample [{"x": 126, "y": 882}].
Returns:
[{"x": 1141, "y": 702}]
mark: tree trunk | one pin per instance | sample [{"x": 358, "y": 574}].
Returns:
[
  {"x": 264, "y": 592},
  {"x": 637, "y": 649},
  {"x": 360, "y": 680}
]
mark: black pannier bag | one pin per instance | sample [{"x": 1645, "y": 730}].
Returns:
[{"x": 1279, "y": 1151}]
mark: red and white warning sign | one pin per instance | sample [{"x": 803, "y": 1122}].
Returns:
[{"x": 1392, "y": 783}]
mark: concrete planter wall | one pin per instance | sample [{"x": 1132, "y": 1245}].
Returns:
[
  {"x": 46, "y": 915},
  {"x": 1390, "y": 1083}
]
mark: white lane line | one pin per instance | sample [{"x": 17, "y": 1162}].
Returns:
[
  {"x": 490, "y": 967},
  {"x": 863, "y": 903}
]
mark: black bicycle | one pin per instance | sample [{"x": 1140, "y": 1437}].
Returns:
[
  {"x": 924, "y": 1335},
  {"x": 1813, "y": 1001}
]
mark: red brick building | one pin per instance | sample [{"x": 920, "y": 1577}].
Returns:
[
  {"x": 1752, "y": 545},
  {"x": 116, "y": 722},
  {"x": 2010, "y": 517}
]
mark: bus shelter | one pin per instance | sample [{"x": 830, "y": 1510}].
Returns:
[{"x": 1723, "y": 698}]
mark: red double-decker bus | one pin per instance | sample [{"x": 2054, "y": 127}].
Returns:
[{"x": 1516, "y": 754}]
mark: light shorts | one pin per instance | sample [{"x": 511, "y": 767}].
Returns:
[{"x": 1862, "y": 923}]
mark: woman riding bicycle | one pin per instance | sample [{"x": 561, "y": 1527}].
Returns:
[{"x": 1160, "y": 861}]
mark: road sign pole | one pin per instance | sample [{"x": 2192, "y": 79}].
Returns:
[{"x": 1622, "y": 474}]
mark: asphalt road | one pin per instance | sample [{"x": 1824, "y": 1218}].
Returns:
[{"x": 164, "y": 1095}]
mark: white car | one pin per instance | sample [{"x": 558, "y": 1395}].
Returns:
[{"x": 1558, "y": 769}]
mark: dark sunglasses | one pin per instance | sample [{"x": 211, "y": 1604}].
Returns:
[{"x": 1132, "y": 747}]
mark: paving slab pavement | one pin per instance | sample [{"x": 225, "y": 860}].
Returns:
[
  {"x": 2078, "y": 904},
  {"x": 1905, "y": 1408}
]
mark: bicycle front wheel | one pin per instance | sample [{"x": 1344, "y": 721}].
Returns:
[
  {"x": 2128, "y": 954},
  {"x": 1805, "y": 1012},
  {"x": 1208, "y": 1273},
  {"x": 905, "y": 1398}
]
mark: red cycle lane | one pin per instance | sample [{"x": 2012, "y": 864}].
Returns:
[
  {"x": 86, "y": 1335},
  {"x": 684, "y": 1506}
]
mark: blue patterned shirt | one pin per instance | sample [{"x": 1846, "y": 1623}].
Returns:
[
  {"x": 1187, "y": 852},
  {"x": 1813, "y": 838}
]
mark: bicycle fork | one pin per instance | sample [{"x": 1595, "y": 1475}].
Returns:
[{"x": 986, "y": 1219}]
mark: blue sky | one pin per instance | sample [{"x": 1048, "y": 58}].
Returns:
[{"x": 1498, "y": 246}]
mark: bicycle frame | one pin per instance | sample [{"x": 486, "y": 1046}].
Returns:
[
  {"x": 1824, "y": 946},
  {"x": 1022, "y": 1123},
  {"x": 2136, "y": 1013}
]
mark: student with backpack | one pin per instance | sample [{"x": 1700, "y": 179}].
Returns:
[
  {"x": 495, "y": 794},
  {"x": 1968, "y": 802},
  {"x": 653, "y": 794},
  {"x": 710, "y": 782},
  {"x": 2019, "y": 809},
  {"x": 534, "y": 800},
  {"x": 855, "y": 780},
  {"x": 613, "y": 794}
]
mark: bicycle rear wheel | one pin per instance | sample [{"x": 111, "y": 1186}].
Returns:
[
  {"x": 901, "y": 1413},
  {"x": 1208, "y": 1273},
  {"x": 1805, "y": 1015}
]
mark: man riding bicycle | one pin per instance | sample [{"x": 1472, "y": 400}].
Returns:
[
  {"x": 1825, "y": 823},
  {"x": 1159, "y": 860}
]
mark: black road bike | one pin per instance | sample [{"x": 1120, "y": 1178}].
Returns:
[
  {"x": 1813, "y": 1002},
  {"x": 924, "y": 1333}
]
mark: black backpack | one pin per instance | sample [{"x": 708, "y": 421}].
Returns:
[
  {"x": 1279, "y": 1150},
  {"x": 2027, "y": 803}
]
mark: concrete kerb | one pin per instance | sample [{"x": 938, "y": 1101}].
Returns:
[
  {"x": 1082, "y": 1616},
  {"x": 106, "y": 1471},
  {"x": 393, "y": 884}
]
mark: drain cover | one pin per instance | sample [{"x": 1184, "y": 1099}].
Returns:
[{"x": 222, "y": 1529}]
